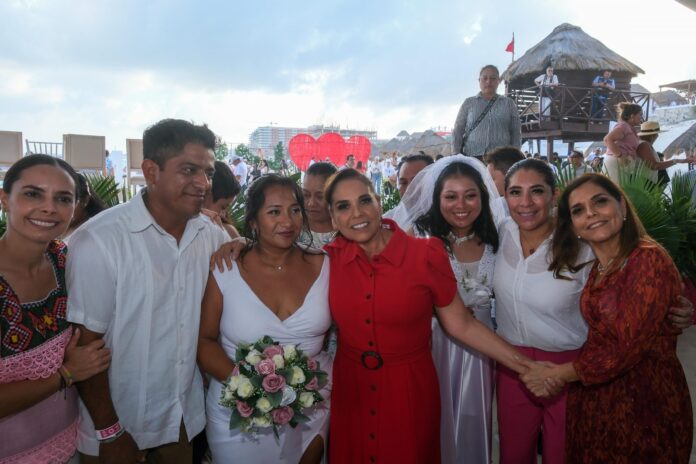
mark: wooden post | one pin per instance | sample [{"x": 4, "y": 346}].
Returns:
[
  {"x": 538, "y": 146},
  {"x": 549, "y": 146},
  {"x": 571, "y": 147}
]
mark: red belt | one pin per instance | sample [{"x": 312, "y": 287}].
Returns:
[{"x": 374, "y": 360}]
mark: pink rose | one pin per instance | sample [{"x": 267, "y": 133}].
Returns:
[
  {"x": 266, "y": 367},
  {"x": 244, "y": 409},
  {"x": 235, "y": 371},
  {"x": 273, "y": 350},
  {"x": 312, "y": 384},
  {"x": 311, "y": 364},
  {"x": 273, "y": 383},
  {"x": 282, "y": 415}
]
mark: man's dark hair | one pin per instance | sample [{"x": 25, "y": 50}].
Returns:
[
  {"x": 503, "y": 158},
  {"x": 428, "y": 160},
  {"x": 225, "y": 184},
  {"x": 168, "y": 137},
  {"x": 322, "y": 169}
]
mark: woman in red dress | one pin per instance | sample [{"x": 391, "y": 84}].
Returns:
[
  {"x": 383, "y": 287},
  {"x": 631, "y": 404}
]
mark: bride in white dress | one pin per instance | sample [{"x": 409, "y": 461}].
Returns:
[
  {"x": 450, "y": 199},
  {"x": 277, "y": 289}
]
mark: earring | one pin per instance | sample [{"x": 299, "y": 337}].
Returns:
[
  {"x": 579, "y": 238},
  {"x": 624, "y": 218}
]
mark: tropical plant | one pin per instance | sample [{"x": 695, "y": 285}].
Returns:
[
  {"x": 221, "y": 150},
  {"x": 3, "y": 223},
  {"x": 669, "y": 216},
  {"x": 390, "y": 197},
  {"x": 104, "y": 187}
]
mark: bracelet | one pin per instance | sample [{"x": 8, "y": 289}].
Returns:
[
  {"x": 66, "y": 376},
  {"x": 110, "y": 433}
]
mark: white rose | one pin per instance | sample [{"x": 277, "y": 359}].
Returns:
[
  {"x": 229, "y": 393},
  {"x": 263, "y": 421},
  {"x": 297, "y": 376},
  {"x": 290, "y": 352},
  {"x": 233, "y": 382},
  {"x": 279, "y": 361},
  {"x": 253, "y": 357},
  {"x": 306, "y": 399},
  {"x": 263, "y": 405},
  {"x": 245, "y": 388},
  {"x": 289, "y": 396}
]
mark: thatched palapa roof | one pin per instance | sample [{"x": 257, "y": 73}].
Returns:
[
  {"x": 569, "y": 48},
  {"x": 684, "y": 143}
]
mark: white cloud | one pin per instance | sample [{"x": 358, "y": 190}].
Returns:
[{"x": 470, "y": 32}]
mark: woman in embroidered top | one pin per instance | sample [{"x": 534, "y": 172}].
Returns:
[
  {"x": 622, "y": 141},
  {"x": 385, "y": 399},
  {"x": 39, "y": 356},
  {"x": 458, "y": 212},
  {"x": 277, "y": 289},
  {"x": 631, "y": 403}
]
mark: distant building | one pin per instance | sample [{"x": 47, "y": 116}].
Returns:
[{"x": 318, "y": 130}]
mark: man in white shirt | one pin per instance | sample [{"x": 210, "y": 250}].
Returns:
[
  {"x": 136, "y": 275},
  {"x": 241, "y": 171}
]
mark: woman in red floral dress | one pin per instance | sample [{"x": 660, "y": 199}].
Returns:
[
  {"x": 383, "y": 287},
  {"x": 632, "y": 403}
]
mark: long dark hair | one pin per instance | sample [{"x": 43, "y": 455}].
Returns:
[
  {"x": 434, "y": 224},
  {"x": 565, "y": 245},
  {"x": 94, "y": 204},
  {"x": 255, "y": 198}
]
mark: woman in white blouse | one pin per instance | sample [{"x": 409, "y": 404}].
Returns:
[{"x": 535, "y": 312}]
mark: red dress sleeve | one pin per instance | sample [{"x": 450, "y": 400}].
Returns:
[
  {"x": 626, "y": 315},
  {"x": 441, "y": 279}
]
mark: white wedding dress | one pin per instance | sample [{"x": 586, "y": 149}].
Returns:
[
  {"x": 245, "y": 319},
  {"x": 465, "y": 375}
]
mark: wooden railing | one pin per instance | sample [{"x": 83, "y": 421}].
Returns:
[{"x": 572, "y": 108}]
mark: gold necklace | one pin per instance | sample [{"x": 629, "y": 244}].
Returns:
[{"x": 601, "y": 268}]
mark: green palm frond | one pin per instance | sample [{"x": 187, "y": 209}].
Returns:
[
  {"x": 3, "y": 223},
  {"x": 564, "y": 177},
  {"x": 105, "y": 188}
]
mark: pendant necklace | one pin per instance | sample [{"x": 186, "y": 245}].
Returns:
[
  {"x": 601, "y": 268},
  {"x": 459, "y": 240}
]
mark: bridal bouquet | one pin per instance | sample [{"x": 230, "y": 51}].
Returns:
[{"x": 271, "y": 385}]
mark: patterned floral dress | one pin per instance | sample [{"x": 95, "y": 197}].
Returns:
[
  {"x": 632, "y": 404},
  {"x": 33, "y": 337}
]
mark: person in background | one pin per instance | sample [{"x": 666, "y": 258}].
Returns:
[
  {"x": 222, "y": 194},
  {"x": 350, "y": 162},
  {"x": 110, "y": 171},
  {"x": 88, "y": 205},
  {"x": 553, "y": 167},
  {"x": 604, "y": 85},
  {"x": 622, "y": 141},
  {"x": 547, "y": 84},
  {"x": 389, "y": 175},
  {"x": 408, "y": 167},
  {"x": 320, "y": 229},
  {"x": 240, "y": 170},
  {"x": 136, "y": 275},
  {"x": 499, "y": 162},
  {"x": 375, "y": 169},
  {"x": 39, "y": 355},
  {"x": 360, "y": 167},
  {"x": 577, "y": 164},
  {"x": 649, "y": 131},
  {"x": 487, "y": 120},
  {"x": 628, "y": 399}
]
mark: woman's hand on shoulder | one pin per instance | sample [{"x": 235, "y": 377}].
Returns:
[
  {"x": 87, "y": 360},
  {"x": 227, "y": 253},
  {"x": 682, "y": 316}
]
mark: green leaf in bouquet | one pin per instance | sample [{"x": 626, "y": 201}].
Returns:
[
  {"x": 299, "y": 418},
  {"x": 236, "y": 419},
  {"x": 256, "y": 381},
  {"x": 275, "y": 398},
  {"x": 246, "y": 369},
  {"x": 287, "y": 373}
]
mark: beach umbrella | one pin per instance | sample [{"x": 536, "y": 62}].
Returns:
[{"x": 684, "y": 143}]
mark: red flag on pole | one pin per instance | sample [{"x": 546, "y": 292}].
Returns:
[{"x": 511, "y": 46}]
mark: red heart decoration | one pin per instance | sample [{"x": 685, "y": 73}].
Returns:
[{"x": 303, "y": 147}]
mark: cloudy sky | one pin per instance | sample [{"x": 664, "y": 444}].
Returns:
[{"x": 109, "y": 67}]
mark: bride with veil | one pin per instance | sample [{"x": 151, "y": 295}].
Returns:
[{"x": 456, "y": 200}]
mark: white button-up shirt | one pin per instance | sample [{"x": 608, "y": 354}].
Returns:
[
  {"x": 131, "y": 281},
  {"x": 534, "y": 309}
]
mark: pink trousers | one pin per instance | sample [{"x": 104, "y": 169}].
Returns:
[{"x": 521, "y": 415}]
